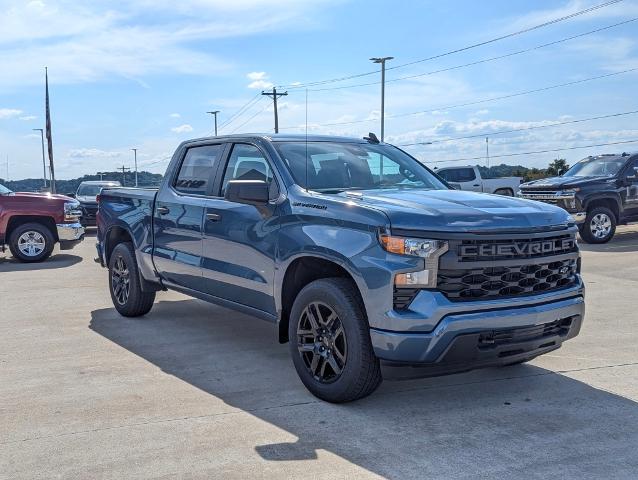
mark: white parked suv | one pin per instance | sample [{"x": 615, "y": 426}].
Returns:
[{"x": 468, "y": 177}]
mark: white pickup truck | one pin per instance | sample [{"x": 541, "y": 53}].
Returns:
[{"x": 469, "y": 178}]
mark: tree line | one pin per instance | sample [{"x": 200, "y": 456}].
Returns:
[{"x": 145, "y": 179}]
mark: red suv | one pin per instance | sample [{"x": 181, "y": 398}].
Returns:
[{"x": 31, "y": 224}]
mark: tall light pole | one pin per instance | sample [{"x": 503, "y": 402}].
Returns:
[
  {"x": 382, "y": 61},
  {"x": 44, "y": 162},
  {"x": 135, "y": 158},
  {"x": 487, "y": 150},
  {"x": 215, "y": 112}
]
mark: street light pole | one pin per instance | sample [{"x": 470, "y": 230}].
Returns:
[
  {"x": 382, "y": 61},
  {"x": 135, "y": 157},
  {"x": 44, "y": 162},
  {"x": 215, "y": 112},
  {"x": 487, "y": 150}
]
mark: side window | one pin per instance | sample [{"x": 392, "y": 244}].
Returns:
[
  {"x": 197, "y": 169},
  {"x": 466, "y": 174},
  {"x": 448, "y": 175},
  {"x": 246, "y": 162}
]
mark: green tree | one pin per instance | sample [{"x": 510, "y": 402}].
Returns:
[{"x": 557, "y": 167}]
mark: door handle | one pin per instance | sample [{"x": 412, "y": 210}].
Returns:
[
  {"x": 163, "y": 210},
  {"x": 213, "y": 217},
  {"x": 476, "y": 185}
]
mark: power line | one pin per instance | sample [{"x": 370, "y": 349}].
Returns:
[
  {"x": 247, "y": 105},
  {"x": 258, "y": 112},
  {"x": 458, "y": 50},
  {"x": 522, "y": 129},
  {"x": 485, "y": 100},
  {"x": 478, "y": 62},
  {"x": 535, "y": 152}
]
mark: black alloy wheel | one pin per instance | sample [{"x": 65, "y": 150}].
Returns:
[{"x": 321, "y": 341}]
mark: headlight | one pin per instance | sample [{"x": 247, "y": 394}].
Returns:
[
  {"x": 72, "y": 211},
  {"x": 429, "y": 250}
]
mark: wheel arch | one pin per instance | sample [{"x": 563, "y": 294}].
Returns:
[
  {"x": 16, "y": 220},
  {"x": 115, "y": 235},
  {"x": 612, "y": 203},
  {"x": 299, "y": 272}
]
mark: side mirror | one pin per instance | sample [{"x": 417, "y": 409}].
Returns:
[
  {"x": 634, "y": 176},
  {"x": 250, "y": 192},
  {"x": 72, "y": 195}
]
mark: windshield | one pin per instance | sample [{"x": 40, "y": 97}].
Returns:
[
  {"x": 336, "y": 167},
  {"x": 89, "y": 190},
  {"x": 596, "y": 167},
  {"x": 4, "y": 190}
]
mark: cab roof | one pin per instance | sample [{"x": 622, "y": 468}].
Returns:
[{"x": 283, "y": 137}]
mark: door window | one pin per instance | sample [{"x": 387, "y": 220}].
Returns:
[
  {"x": 246, "y": 162},
  {"x": 198, "y": 169}
]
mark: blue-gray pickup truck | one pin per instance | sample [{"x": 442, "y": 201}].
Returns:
[{"x": 367, "y": 262}]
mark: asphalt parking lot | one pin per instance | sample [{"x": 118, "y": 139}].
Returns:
[{"x": 196, "y": 391}]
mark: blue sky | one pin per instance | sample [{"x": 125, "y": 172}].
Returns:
[{"x": 142, "y": 74}]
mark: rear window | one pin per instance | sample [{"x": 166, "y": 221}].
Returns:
[
  {"x": 457, "y": 174},
  {"x": 197, "y": 169}
]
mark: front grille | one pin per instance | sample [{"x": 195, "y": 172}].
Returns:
[
  {"x": 497, "y": 338},
  {"x": 486, "y": 283}
]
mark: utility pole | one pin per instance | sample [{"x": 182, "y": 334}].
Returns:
[
  {"x": 101, "y": 174},
  {"x": 382, "y": 61},
  {"x": 274, "y": 96},
  {"x": 215, "y": 112},
  {"x": 135, "y": 156},
  {"x": 487, "y": 151},
  {"x": 44, "y": 162},
  {"x": 124, "y": 170}
]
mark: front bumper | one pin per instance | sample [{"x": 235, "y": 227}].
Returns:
[
  {"x": 446, "y": 337},
  {"x": 69, "y": 234}
]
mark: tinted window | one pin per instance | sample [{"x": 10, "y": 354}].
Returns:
[
  {"x": 449, "y": 175},
  {"x": 466, "y": 174},
  {"x": 197, "y": 169},
  {"x": 246, "y": 162}
]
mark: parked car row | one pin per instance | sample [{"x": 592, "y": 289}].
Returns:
[
  {"x": 469, "y": 178},
  {"x": 366, "y": 260}
]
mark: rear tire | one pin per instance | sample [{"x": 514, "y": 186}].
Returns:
[
  {"x": 124, "y": 283},
  {"x": 330, "y": 342},
  {"x": 31, "y": 242},
  {"x": 599, "y": 226}
]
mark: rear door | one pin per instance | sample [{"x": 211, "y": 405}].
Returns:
[
  {"x": 240, "y": 240},
  {"x": 631, "y": 199},
  {"x": 179, "y": 213}
]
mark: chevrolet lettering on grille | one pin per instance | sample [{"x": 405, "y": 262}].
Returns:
[{"x": 546, "y": 247}]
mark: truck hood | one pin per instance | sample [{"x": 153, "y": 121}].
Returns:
[
  {"x": 559, "y": 183},
  {"x": 454, "y": 210},
  {"x": 44, "y": 196},
  {"x": 86, "y": 198}
]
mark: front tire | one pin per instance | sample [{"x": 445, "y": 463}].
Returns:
[
  {"x": 330, "y": 342},
  {"x": 124, "y": 283},
  {"x": 31, "y": 242},
  {"x": 599, "y": 225}
]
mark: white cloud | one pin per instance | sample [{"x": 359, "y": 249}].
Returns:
[
  {"x": 175, "y": 115},
  {"x": 92, "y": 153},
  {"x": 9, "y": 113},
  {"x": 89, "y": 41},
  {"x": 27, "y": 118},
  {"x": 259, "y": 80},
  {"x": 182, "y": 128}
]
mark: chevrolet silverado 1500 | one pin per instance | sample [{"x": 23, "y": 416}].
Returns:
[{"x": 364, "y": 259}]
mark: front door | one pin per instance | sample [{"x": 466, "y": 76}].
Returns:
[
  {"x": 178, "y": 217},
  {"x": 240, "y": 240}
]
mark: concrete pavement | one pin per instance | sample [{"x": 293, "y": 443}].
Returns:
[{"x": 197, "y": 391}]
